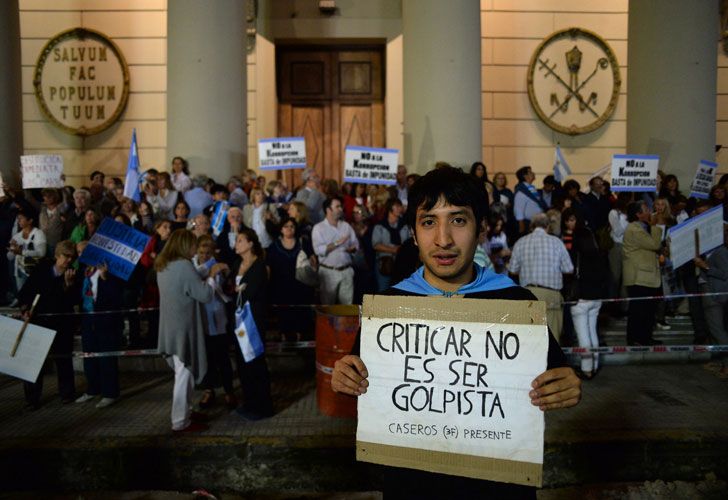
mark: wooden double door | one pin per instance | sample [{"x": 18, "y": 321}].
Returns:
[{"x": 332, "y": 97}]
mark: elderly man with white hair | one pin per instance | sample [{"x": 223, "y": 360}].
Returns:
[
  {"x": 540, "y": 260},
  {"x": 312, "y": 196}
]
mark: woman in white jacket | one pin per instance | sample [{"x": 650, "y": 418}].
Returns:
[{"x": 27, "y": 246}]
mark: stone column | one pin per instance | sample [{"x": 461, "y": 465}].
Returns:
[
  {"x": 206, "y": 86},
  {"x": 11, "y": 119},
  {"x": 442, "y": 89},
  {"x": 671, "y": 83}
]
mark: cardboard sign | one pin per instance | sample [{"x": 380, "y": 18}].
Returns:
[
  {"x": 32, "y": 350},
  {"x": 117, "y": 245},
  {"x": 42, "y": 171},
  {"x": 282, "y": 153},
  {"x": 709, "y": 229},
  {"x": 448, "y": 386},
  {"x": 703, "y": 180},
  {"x": 635, "y": 173},
  {"x": 371, "y": 165}
]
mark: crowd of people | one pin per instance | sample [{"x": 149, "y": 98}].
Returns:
[{"x": 214, "y": 247}]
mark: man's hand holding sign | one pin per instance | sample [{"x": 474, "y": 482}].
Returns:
[{"x": 454, "y": 386}]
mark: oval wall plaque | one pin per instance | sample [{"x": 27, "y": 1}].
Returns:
[{"x": 81, "y": 81}]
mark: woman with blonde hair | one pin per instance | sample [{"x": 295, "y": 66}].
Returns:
[
  {"x": 182, "y": 325},
  {"x": 257, "y": 213}
]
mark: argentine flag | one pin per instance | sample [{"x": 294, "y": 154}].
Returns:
[
  {"x": 561, "y": 168},
  {"x": 131, "y": 183}
]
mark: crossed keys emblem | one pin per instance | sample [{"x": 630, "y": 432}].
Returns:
[{"x": 573, "y": 88}]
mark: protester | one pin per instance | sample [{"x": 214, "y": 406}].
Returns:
[
  {"x": 402, "y": 184},
  {"x": 671, "y": 191},
  {"x": 163, "y": 198},
  {"x": 100, "y": 291},
  {"x": 334, "y": 241},
  {"x": 540, "y": 261},
  {"x": 226, "y": 240},
  {"x": 50, "y": 219},
  {"x": 641, "y": 272},
  {"x": 526, "y": 202},
  {"x": 55, "y": 283},
  {"x": 548, "y": 190},
  {"x": 310, "y": 195},
  {"x": 86, "y": 228},
  {"x": 201, "y": 225},
  {"x": 250, "y": 284},
  {"x": 479, "y": 171},
  {"x": 387, "y": 236},
  {"x": 589, "y": 284},
  {"x": 75, "y": 215},
  {"x": 714, "y": 279},
  {"x": 146, "y": 216},
  {"x": 217, "y": 341},
  {"x": 596, "y": 206},
  {"x": 27, "y": 247},
  {"x": 281, "y": 258},
  {"x": 258, "y": 215},
  {"x": 181, "y": 214},
  {"x": 237, "y": 196},
  {"x": 357, "y": 197},
  {"x": 181, "y": 175},
  {"x": 437, "y": 199},
  {"x": 150, "y": 289},
  {"x": 197, "y": 198},
  {"x": 182, "y": 322},
  {"x": 618, "y": 224}
]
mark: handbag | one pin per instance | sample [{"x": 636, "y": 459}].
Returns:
[
  {"x": 246, "y": 331},
  {"x": 305, "y": 272}
]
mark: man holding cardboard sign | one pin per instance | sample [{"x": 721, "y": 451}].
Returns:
[{"x": 446, "y": 211}]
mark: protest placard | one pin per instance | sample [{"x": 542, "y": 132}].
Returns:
[
  {"x": 635, "y": 173},
  {"x": 682, "y": 238},
  {"x": 282, "y": 153},
  {"x": 703, "y": 180},
  {"x": 32, "y": 350},
  {"x": 371, "y": 165},
  {"x": 448, "y": 386},
  {"x": 42, "y": 171},
  {"x": 117, "y": 245}
]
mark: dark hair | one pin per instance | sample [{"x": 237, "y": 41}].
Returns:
[
  {"x": 571, "y": 184},
  {"x": 521, "y": 173},
  {"x": 551, "y": 180},
  {"x": 567, "y": 214},
  {"x": 668, "y": 178},
  {"x": 30, "y": 215},
  {"x": 623, "y": 199},
  {"x": 185, "y": 165},
  {"x": 218, "y": 188},
  {"x": 252, "y": 237},
  {"x": 329, "y": 201},
  {"x": 633, "y": 209},
  {"x": 723, "y": 179},
  {"x": 286, "y": 220},
  {"x": 474, "y": 168},
  {"x": 390, "y": 203},
  {"x": 182, "y": 202},
  {"x": 458, "y": 189},
  {"x": 95, "y": 173}
]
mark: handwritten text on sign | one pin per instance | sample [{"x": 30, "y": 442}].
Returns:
[
  {"x": 370, "y": 165},
  {"x": 452, "y": 387},
  {"x": 42, "y": 171},
  {"x": 118, "y": 246},
  {"x": 703, "y": 180},
  {"x": 709, "y": 226},
  {"x": 282, "y": 153},
  {"x": 635, "y": 173}
]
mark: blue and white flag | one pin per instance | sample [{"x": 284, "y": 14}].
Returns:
[
  {"x": 117, "y": 245},
  {"x": 246, "y": 331},
  {"x": 131, "y": 183},
  {"x": 218, "y": 217},
  {"x": 561, "y": 168}
]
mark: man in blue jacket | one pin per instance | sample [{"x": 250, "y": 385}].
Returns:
[{"x": 446, "y": 211}]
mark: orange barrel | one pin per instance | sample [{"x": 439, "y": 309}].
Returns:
[{"x": 336, "y": 329}]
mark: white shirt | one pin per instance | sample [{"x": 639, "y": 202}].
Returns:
[
  {"x": 324, "y": 234},
  {"x": 618, "y": 224}
]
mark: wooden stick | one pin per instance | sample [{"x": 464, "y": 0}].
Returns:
[
  {"x": 25, "y": 325},
  {"x": 697, "y": 243}
]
